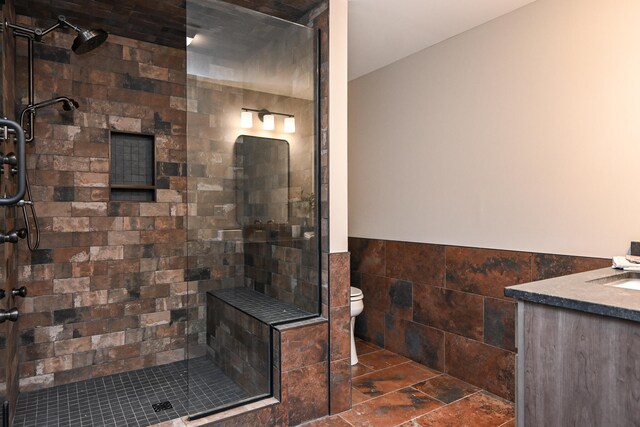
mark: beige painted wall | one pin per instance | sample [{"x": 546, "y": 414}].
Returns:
[
  {"x": 338, "y": 126},
  {"x": 523, "y": 134}
]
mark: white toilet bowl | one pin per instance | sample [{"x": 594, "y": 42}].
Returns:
[{"x": 356, "y": 308}]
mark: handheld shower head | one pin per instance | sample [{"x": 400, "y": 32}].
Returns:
[{"x": 69, "y": 104}]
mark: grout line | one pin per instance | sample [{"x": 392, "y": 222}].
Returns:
[
  {"x": 339, "y": 416},
  {"x": 438, "y": 408},
  {"x": 398, "y": 364},
  {"x": 395, "y": 390},
  {"x": 426, "y": 413},
  {"x": 507, "y": 422}
]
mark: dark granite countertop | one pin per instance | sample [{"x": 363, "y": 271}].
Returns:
[{"x": 586, "y": 292}]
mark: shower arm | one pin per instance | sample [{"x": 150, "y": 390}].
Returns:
[
  {"x": 38, "y": 33},
  {"x": 31, "y": 109},
  {"x": 32, "y": 34}
]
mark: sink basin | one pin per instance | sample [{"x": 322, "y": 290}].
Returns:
[
  {"x": 626, "y": 284},
  {"x": 625, "y": 281}
]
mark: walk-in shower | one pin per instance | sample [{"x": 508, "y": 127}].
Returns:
[{"x": 177, "y": 242}]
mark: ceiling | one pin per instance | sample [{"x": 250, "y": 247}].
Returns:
[
  {"x": 384, "y": 31},
  {"x": 160, "y": 22},
  {"x": 154, "y": 21},
  {"x": 380, "y": 31}
]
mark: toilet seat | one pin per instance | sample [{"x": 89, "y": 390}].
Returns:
[{"x": 356, "y": 294}]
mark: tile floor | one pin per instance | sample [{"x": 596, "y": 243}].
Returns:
[
  {"x": 391, "y": 390},
  {"x": 127, "y": 399}
]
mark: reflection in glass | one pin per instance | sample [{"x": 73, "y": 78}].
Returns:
[{"x": 253, "y": 253}]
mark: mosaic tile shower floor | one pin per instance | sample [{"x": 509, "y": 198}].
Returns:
[
  {"x": 390, "y": 390},
  {"x": 127, "y": 399}
]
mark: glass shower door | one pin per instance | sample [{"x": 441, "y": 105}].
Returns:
[{"x": 253, "y": 250}]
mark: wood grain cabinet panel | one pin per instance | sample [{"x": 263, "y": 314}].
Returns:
[{"x": 576, "y": 369}]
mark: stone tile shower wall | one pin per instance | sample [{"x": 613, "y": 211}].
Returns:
[
  {"x": 283, "y": 267},
  {"x": 444, "y": 306},
  {"x": 107, "y": 290},
  {"x": 241, "y": 346}
]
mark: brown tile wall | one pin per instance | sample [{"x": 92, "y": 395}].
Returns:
[
  {"x": 301, "y": 361},
  {"x": 240, "y": 345},
  {"x": 339, "y": 333},
  {"x": 107, "y": 290},
  {"x": 282, "y": 267},
  {"x": 444, "y": 306},
  {"x": 303, "y": 365}
]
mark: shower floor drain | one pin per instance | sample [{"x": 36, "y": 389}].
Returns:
[{"x": 162, "y": 406}]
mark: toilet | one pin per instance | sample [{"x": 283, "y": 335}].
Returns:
[{"x": 356, "y": 308}]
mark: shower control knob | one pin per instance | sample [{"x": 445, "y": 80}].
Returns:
[
  {"x": 13, "y": 236},
  {"x": 11, "y": 315},
  {"x": 10, "y": 159},
  {"x": 19, "y": 292}
]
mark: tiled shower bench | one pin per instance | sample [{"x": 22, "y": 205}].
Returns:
[{"x": 240, "y": 337}]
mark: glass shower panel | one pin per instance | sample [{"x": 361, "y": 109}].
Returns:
[
  {"x": 3, "y": 281},
  {"x": 253, "y": 253}
]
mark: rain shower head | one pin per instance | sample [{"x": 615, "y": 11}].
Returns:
[{"x": 87, "y": 40}]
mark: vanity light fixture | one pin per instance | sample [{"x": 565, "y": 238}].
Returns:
[
  {"x": 289, "y": 124},
  {"x": 246, "y": 119},
  {"x": 268, "y": 121},
  {"x": 267, "y": 118}
]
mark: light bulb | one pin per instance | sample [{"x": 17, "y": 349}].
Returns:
[
  {"x": 289, "y": 124},
  {"x": 246, "y": 119},
  {"x": 269, "y": 122}
]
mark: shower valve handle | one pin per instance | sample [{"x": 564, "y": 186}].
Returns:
[
  {"x": 11, "y": 315},
  {"x": 19, "y": 158},
  {"x": 13, "y": 236},
  {"x": 9, "y": 159},
  {"x": 19, "y": 292}
]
